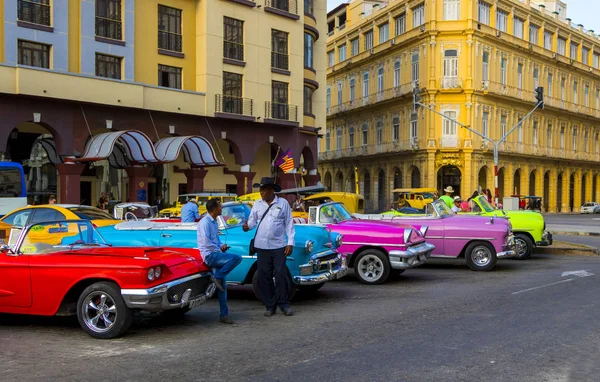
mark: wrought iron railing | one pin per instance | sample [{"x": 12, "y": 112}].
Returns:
[
  {"x": 233, "y": 50},
  {"x": 386, "y": 94},
  {"x": 281, "y": 111},
  {"x": 170, "y": 41},
  {"x": 109, "y": 28},
  {"x": 280, "y": 61},
  {"x": 290, "y": 6},
  {"x": 33, "y": 12},
  {"x": 451, "y": 83},
  {"x": 234, "y": 105}
]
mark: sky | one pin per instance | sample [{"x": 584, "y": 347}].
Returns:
[{"x": 580, "y": 11}]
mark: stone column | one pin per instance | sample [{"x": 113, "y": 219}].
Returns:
[
  {"x": 577, "y": 202},
  {"x": 195, "y": 179},
  {"x": 138, "y": 183},
  {"x": 566, "y": 192},
  {"x": 289, "y": 180},
  {"x": 244, "y": 179},
  {"x": 589, "y": 183},
  {"x": 552, "y": 206},
  {"x": 69, "y": 181},
  {"x": 428, "y": 172},
  {"x": 312, "y": 178},
  {"x": 466, "y": 187},
  {"x": 525, "y": 172}
]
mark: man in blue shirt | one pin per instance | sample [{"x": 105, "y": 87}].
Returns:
[
  {"x": 215, "y": 254},
  {"x": 189, "y": 212}
]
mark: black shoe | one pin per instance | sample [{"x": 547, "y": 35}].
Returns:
[
  {"x": 270, "y": 312},
  {"x": 226, "y": 320},
  {"x": 287, "y": 311},
  {"x": 217, "y": 283}
]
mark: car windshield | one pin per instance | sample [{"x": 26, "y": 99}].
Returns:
[
  {"x": 91, "y": 213},
  {"x": 234, "y": 215},
  {"x": 487, "y": 207},
  {"x": 428, "y": 195},
  {"x": 182, "y": 199},
  {"x": 589, "y": 205},
  {"x": 334, "y": 213},
  {"x": 52, "y": 237},
  {"x": 438, "y": 209}
]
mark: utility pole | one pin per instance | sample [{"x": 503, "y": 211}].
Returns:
[{"x": 539, "y": 96}]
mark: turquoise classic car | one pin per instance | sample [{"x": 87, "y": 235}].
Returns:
[{"x": 314, "y": 260}]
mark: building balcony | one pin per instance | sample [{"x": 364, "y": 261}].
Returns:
[
  {"x": 406, "y": 145},
  {"x": 170, "y": 41},
  {"x": 109, "y": 28},
  {"x": 281, "y": 113},
  {"x": 233, "y": 51},
  {"x": 549, "y": 152},
  {"x": 234, "y": 107},
  {"x": 372, "y": 99},
  {"x": 501, "y": 89},
  {"x": 286, "y": 8},
  {"x": 451, "y": 83},
  {"x": 34, "y": 12}
]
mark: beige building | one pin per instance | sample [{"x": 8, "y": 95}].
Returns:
[
  {"x": 477, "y": 62},
  {"x": 248, "y": 76}
]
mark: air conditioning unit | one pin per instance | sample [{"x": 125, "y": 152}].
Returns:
[
  {"x": 498, "y": 33},
  {"x": 553, "y": 55},
  {"x": 422, "y": 29},
  {"x": 414, "y": 143},
  {"x": 393, "y": 41}
]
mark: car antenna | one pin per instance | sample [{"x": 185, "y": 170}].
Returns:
[{"x": 81, "y": 203}]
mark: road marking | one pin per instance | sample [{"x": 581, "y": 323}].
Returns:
[
  {"x": 542, "y": 286},
  {"x": 577, "y": 273}
]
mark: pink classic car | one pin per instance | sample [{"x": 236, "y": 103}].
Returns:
[
  {"x": 373, "y": 249},
  {"x": 480, "y": 240}
]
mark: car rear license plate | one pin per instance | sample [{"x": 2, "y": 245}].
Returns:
[{"x": 196, "y": 302}]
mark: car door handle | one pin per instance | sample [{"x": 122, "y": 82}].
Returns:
[{"x": 165, "y": 235}]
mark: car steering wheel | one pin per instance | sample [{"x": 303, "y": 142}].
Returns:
[{"x": 128, "y": 214}]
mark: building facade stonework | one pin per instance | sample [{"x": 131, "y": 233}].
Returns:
[{"x": 478, "y": 62}]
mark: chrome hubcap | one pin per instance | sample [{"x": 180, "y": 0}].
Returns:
[
  {"x": 522, "y": 246},
  {"x": 99, "y": 312},
  {"x": 481, "y": 256},
  {"x": 370, "y": 268}
]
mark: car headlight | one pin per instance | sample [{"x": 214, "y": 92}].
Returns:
[
  {"x": 157, "y": 272},
  {"x": 151, "y": 274},
  {"x": 309, "y": 246},
  {"x": 338, "y": 241}
]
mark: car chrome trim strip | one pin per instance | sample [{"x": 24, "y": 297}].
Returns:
[
  {"x": 377, "y": 244},
  {"x": 460, "y": 238}
]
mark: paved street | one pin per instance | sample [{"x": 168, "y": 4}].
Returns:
[{"x": 522, "y": 322}]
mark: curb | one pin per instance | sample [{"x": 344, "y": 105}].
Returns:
[
  {"x": 575, "y": 233},
  {"x": 577, "y": 249}
]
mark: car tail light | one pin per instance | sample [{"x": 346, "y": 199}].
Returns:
[{"x": 154, "y": 273}]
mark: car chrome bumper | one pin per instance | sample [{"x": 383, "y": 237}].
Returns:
[
  {"x": 412, "y": 257},
  {"x": 546, "y": 240},
  {"x": 189, "y": 291},
  {"x": 510, "y": 249},
  {"x": 337, "y": 269}
]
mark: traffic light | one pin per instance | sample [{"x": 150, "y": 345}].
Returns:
[
  {"x": 539, "y": 96},
  {"x": 416, "y": 96}
]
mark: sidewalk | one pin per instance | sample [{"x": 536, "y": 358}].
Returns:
[
  {"x": 564, "y": 229},
  {"x": 567, "y": 248}
]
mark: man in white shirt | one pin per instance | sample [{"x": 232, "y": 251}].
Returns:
[{"x": 274, "y": 241}]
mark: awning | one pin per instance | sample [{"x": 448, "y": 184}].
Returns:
[
  {"x": 137, "y": 146},
  {"x": 49, "y": 147},
  {"x": 196, "y": 150},
  {"x": 133, "y": 147}
]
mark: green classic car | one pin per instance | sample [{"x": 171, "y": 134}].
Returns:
[{"x": 528, "y": 227}]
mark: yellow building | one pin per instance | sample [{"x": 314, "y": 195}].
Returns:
[
  {"x": 247, "y": 76},
  {"x": 477, "y": 62}
]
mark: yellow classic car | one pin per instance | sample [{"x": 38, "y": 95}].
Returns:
[
  {"x": 201, "y": 198},
  {"x": 414, "y": 197}
]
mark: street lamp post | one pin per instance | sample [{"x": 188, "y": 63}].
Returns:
[{"x": 539, "y": 96}]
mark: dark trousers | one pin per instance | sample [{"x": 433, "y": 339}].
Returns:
[{"x": 271, "y": 265}]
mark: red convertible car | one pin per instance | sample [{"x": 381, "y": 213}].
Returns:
[{"x": 101, "y": 284}]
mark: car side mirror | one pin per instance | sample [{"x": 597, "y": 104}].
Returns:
[{"x": 5, "y": 249}]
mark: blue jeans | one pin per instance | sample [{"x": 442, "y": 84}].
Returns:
[{"x": 222, "y": 263}]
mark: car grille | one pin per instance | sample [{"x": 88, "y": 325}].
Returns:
[
  {"x": 323, "y": 264},
  {"x": 198, "y": 286}
]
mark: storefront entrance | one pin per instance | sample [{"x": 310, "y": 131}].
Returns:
[{"x": 450, "y": 176}]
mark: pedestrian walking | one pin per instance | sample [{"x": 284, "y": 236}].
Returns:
[
  {"x": 189, "y": 212},
  {"x": 273, "y": 241},
  {"x": 215, "y": 255},
  {"x": 447, "y": 198},
  {"x": 159, "y": 203}
]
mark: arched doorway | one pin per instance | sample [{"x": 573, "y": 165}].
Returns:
[
  {"x": 32, "y": 145},
  {"x": 532, "y": 183},
  {"x": 449, "y": 176},
  {"x": 381, "y": 194},
  {"x": 327, "y": 180},
  {"x": 415, "y": 178},
  {"x": 517, "y": 183},
  {"x": 397, "y": 178},
  {"x": 351, "y": 183},
  {"x": 559, "y": 191},
  {"x": 571, "y": 192},
  {"x": 546, "y": 191},
  {"x": 500, "y": 184},
  {"x": 483, "y": 175},
  {"x": 339, "y": 182},
  {"x": 583, "y": 187},
  {"x": 367, "y": 189}
]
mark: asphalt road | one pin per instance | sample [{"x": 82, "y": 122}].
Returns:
[
  {"x": 573, "y": 219},
  {"x": 593, "y": 241},
  {"x": 442, "y": 322}
]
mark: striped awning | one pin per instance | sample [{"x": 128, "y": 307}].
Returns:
[
  {"x": 196, "y": 150},
  {"x": 133, "y": 147}
]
